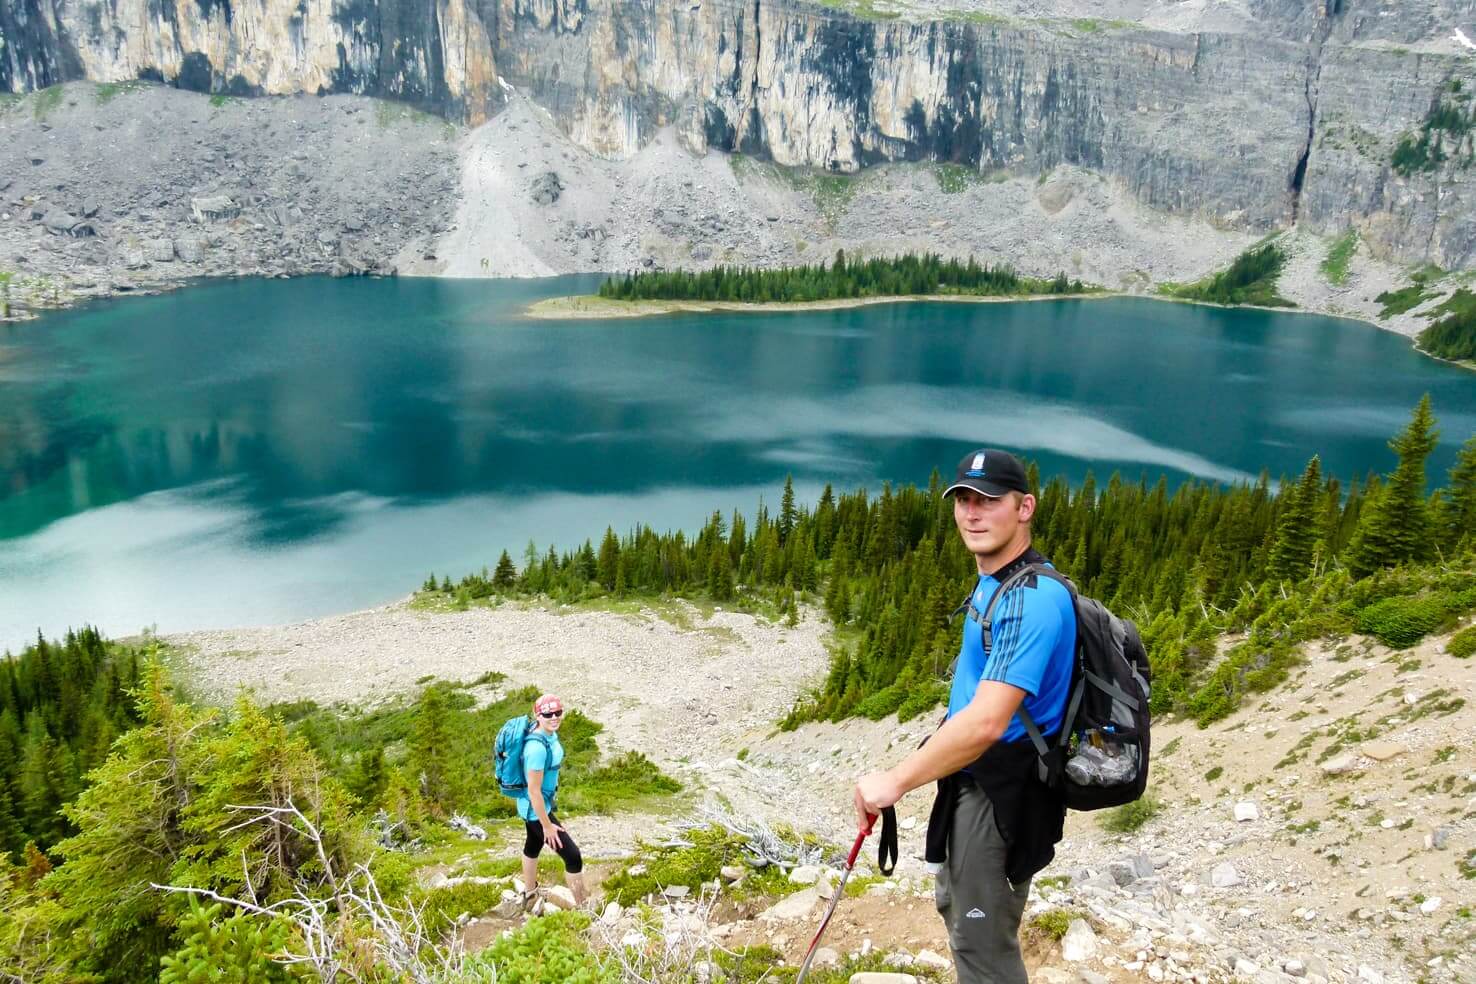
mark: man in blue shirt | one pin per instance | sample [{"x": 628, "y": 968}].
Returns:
[{"x": 994, "y": 823}]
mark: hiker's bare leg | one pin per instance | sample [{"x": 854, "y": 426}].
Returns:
[
  {"x": 530, "y": 874},
  {"x": 576, "y": 885}
]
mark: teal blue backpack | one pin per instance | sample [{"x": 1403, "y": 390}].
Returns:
[{"x": 508, "y": 754}]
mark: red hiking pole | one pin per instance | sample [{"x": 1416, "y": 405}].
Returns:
[{"x": 888, "y": 842}]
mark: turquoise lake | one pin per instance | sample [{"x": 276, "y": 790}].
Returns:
[{"x": 247, "y": 452}]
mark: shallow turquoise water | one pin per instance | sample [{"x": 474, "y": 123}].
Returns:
[{"x": 259, "y": 451}]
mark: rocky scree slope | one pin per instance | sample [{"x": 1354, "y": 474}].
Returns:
[
  {"x": 109, "y": 189},
  {"x": 1326, "y": 832},
  {"x": 1251, "y": 113}
]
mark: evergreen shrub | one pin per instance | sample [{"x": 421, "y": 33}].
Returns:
[
  {"x": 1401, "y": 622},
  {"x": 1462, "y": 645},
  {"x": 549, "y": 948}
]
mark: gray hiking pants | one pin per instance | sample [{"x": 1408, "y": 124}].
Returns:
[{"x": 979, "y": 905}]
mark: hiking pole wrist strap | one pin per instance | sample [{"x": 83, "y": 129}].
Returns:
[{"x": 886, "y": 845}]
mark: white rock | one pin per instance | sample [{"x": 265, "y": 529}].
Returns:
[
  {"x": 1246, "y": 811},
  {"x": 927, "y": 958},
  {"x": 1340, "y": 764},
  {"x": 825, "y": 957},
  {"x": 899, "y": 960},
  {"x": 791, "y": 907},
  {"x": 612, "y": 913},
  {"x": 1079, "y": 943},
  {"x": 559, "y": 897},
  {"x": 881, "y": 977},
  {"x": 1294, "y": 968},
  {"x": 676, "y": 891},
  {"x": 1368, "y": 974},
  {"x": 1224, "y": 876},
  {"x": 805, "y": 874},
  {"x": 1246, "y": 968},
  {"x": 1430, "y": 905},
  {"x": 732, "y": 872},
  {"x": 908, "y": 823},
  {"x": 633, "y": 938}
]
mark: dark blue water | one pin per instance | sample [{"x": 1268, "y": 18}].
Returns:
[{"x": 257, "y": 451}]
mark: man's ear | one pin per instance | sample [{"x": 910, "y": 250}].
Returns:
[{"x": 1027, "y": 507}]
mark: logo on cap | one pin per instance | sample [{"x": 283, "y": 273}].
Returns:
[{"x": 976, "y": 470}]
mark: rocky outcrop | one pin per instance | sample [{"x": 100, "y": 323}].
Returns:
[{"x": 1259, "y": 114}]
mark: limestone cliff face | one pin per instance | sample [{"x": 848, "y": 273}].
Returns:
[
  {"x": 1292, "y": 118},
  {"x": 434, "y": 53}
]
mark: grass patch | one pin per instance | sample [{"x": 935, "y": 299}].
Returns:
[
  {"x": 1131, "y": 816},
  {"x": 1335, "y": 265},
  {"x": 700, "y": 859},
  {"x": 219, "y": 100},
  {"x": 1214, "y": 773},
  {"x": 1053, "y": 923},
  {"x": 955, "y": 178},
  {"x": 1404, "y": 299},
  {"x": 47, "y": 101},
  {"x": 1171, "y": 747},
  {"x": 106, "y": 92},
  {"x": 1250, "y": 279},
  {"x": 864, "y": 9}
]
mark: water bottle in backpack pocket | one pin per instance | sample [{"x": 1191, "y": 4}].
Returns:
[{"x": 1100, "y": 758}]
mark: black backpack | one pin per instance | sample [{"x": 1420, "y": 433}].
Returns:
[{"x": 1100, "y": 758}]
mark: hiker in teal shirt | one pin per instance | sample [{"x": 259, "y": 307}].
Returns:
[{"x": 543, "y": 756}]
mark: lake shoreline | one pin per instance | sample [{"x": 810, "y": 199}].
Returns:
[{"x": 592, "y": 307}]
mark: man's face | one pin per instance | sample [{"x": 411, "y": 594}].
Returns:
[{"x": 987, "y": 524}]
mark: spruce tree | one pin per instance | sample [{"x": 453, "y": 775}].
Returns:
[
  {"x": 787, "y": 512},
  {"x": 1395, "y": 526},
  {"x": 1297, "y": 531},
  {"x": 506, "y": 575},
  {"x": 1460, "y": 496}
]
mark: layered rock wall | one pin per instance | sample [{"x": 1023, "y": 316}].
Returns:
[{"x": 1288, "y": 111}]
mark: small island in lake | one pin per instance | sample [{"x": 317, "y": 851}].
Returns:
[{"x": 843, "y": 283}]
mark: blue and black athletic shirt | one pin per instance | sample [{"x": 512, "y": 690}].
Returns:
[{"x": 1033, "y": 647}]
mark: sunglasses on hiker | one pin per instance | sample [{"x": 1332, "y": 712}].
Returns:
[{"x": 550, "y": 714}]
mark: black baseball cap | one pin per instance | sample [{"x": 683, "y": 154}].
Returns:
[{"x": 990, "y": 472}]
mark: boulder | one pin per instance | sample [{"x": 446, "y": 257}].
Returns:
[
  {"x": 558, "y": 897},
  {"x": 546, "y": 188},
  {"x": 612, "y": 914},
  {"x": 190, "y": 250},
  {"x": 1224, "y": 876},
  {"x": 1340, "y": 764},
  {"x": 1382, "y": 751},
  {"x": 927, "y": 958},
  {"x": 214, "y": 208},
  {"x": 825, "y": 957},
  {"x": 1079, "y": 943},
  {"x": 732, "y": 872},
  {"x": 796, "y": 906},
  {"x": 1246, "y": 811},
  {"x": 805, "y": 874}
]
